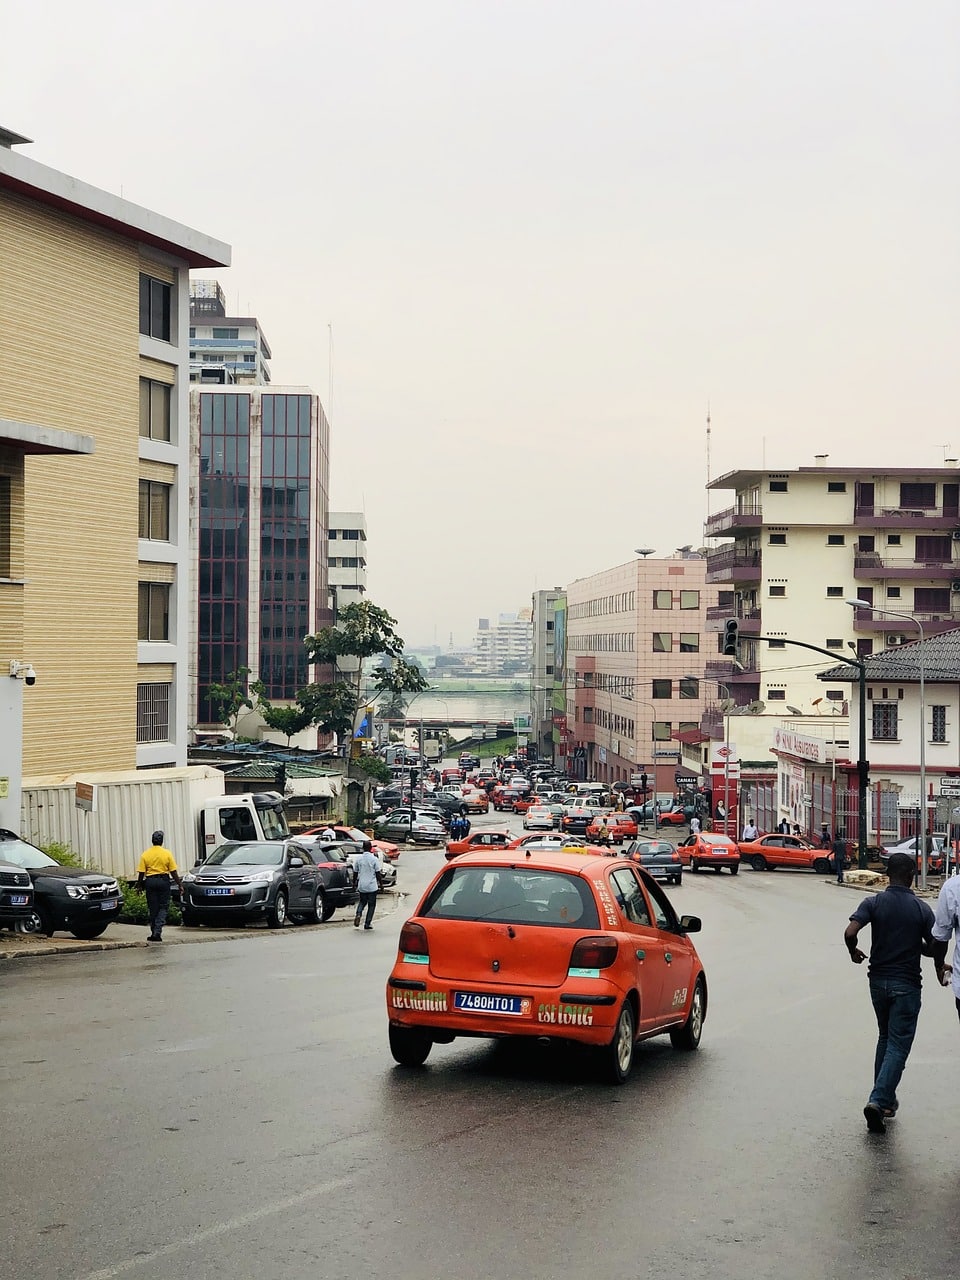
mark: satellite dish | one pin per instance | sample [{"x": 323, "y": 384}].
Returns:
[
  {"x": 794, "y": 711},
  {"x": 755, "y": 708},
  {"x": 727, "y": 705}
]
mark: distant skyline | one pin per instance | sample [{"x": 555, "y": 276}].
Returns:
[{"x": 519, "y": 249}]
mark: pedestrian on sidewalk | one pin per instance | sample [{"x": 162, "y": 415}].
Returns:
[
  {"x": 947, "y": 925},
  {"x": 695, "y": 825},
  {"x": 900, "y": 933},
  {"x": 155, "y": 871},
  {"x": 367, "y": 866},
  {"x": 750, "y": 831}
]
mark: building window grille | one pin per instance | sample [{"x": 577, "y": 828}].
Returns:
[
  {"x": 939, "y": 733},
  {"x": 153, "y": 712},
  {"x": 885, "y": 721}
]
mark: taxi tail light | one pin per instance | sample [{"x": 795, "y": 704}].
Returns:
[
  {"x": 413, "y": 939},
  {"x": 594, "y": 953}
]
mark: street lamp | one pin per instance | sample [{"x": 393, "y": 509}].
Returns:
[{"x": 895, "y": 613}]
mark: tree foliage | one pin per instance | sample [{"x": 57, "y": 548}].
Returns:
[
  {"x": 286, "y": 720},
  {"x": 231, "y": 697}
]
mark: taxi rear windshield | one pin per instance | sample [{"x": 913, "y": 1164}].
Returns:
[{"x": 514, "y": 896}]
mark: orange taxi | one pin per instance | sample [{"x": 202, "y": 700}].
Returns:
[
  {"x": 476, "y": 801},
  {"x": 477, "y": 841},
  {"x": 710, "y": 849},
  {"x": 779, "y": 850},
  {"x": 541, "y": 945},
  {"x": 620, "y": 827}
]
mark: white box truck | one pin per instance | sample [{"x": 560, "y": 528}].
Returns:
[{"x": 108, "y": 818}]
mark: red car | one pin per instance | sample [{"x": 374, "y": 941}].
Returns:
[
  {"x": 390, "y": 851},
  {"x": 710, "y": 849},
  {"x": 477, "y": 841},
  {"x": 619, "y": 826},
  {"x": 671, "y": 818},
  {"x": 546, "y": 946}
]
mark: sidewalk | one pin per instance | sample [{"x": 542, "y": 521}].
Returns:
[{"x": 118, "y": 937}]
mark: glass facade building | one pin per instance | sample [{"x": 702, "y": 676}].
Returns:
[{"x": 260, "y": 514}]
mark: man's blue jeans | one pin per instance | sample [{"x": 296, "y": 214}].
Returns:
[{"x": 897, "y": 1006}]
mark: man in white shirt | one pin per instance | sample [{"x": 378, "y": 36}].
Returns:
[
  {"x": 694, "y": 825},
  {"x": 749, "y": 830},
  {"x": 946, "y": 924},
  {"x": 367, "y": 867}
]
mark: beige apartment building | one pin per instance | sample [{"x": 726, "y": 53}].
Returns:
[
  {"x": 636, "y": 647},
  {"x": 94, "y": 451},
  {"x": 801, "y": 543}
]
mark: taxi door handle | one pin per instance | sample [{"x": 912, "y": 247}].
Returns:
[{"x": 668, "y": 957}]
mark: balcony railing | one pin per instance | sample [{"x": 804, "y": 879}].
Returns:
[
  {"x": 733, "y": 562},
  {"x": 871, "y": 563},
  {"x": 744, "y": 515},
  {"x": 907, "y": 516},
  {"x": 932, "y": 623}
]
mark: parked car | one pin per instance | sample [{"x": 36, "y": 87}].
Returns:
[
  {"x": 935, "y": 851},
  {"x": 270, "y": 880},
  {"x": 710, "y": 849},
  {"x": 389, "y": 850},
  {"x": 387, "y": 872},
  {"x": 84, "y": 902},
  {"x": 674, "y": 817},
  {"x": 604, "y": 959},
  {"x": 338, "y": 881},
  {"x": 410, "y": 825},
  {"x": 445, "y": 802},
  {"x": 657, "y": 857},
  {"x": 16, "y": 896},
  {"x": 477, "y": 842},
  {"x": 776, "y": 850}
]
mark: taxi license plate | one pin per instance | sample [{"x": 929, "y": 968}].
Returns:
[
  {"x": 108, "y": 904},
  {"x": 19, "y": 899},
  {"x": 478, "y": 1002},
  {"x": 219, "y": 893}
]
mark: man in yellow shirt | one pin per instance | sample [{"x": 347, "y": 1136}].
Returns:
[{"x": 154, "y": 873}]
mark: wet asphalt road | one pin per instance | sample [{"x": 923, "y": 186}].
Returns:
[{"x": 231, "y": 1109}]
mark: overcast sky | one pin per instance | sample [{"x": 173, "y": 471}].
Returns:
[{"x": 544, "y": 235}]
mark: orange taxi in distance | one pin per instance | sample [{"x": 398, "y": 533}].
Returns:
[
  {"x": 620, "y": 827},
  {"x": 540, "y": 945},
  {"x": 710, "y": 849},
  {"x": 767, "y": 852},
  {"x": 476, "y": 801},
  {"x": 477, "y": 841}
]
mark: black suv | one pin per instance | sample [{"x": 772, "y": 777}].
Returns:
[
  {"x": 16, "y": 896},
  {"x": 63, "y": 897}
]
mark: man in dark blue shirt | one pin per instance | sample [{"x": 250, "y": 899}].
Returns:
[{"x": 900, "y": 928}]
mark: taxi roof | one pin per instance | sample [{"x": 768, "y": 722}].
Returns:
[{"x": 592, "y": 862}]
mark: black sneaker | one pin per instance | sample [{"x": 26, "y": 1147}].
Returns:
[
  {"x": 367, "y": 926},
  {"x": 874, "y": 1118},
  {"x": 356, "y": 923}
]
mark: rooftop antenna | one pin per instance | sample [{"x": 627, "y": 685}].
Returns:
[{"x": 708, "y": 459}]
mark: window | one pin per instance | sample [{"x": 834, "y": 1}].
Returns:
[
  {"x": 549, "y": 626},
  {"x": 689, "y": 599},
  {"x": 249, "y": 357},
  {"x": 662, "y": 729},
  {"x": 778, "y": 591},
  {"x": 834, "y": 644},
  {"x": 154, "y": 511},
  {"x": 193, "y": 331},
  {"x": 866, "y": 542},
  {"x": 931, "y": 599},
  {"x": 834, "y": 593},
  {"x": 230, "y": 334},
  {"x": 835, "y": 695},
  {"x": 885, "y": 721},
  {"x": 893, "y": 593},
  {"x": 836, "y": 486},
  {"x": 663, "y": 599},
  {"x": 153, "y": 712},
  {"x": 776, "y": 695},
  {"x": 776, "y": 644},
  {"x": 934, "y": 550},
  {"x": 629, "y": 897},
  {"x": 662, "y": 642},
  {"x": 154, "y": 410},
  {"x": 689, "y": 642},
  {"x": 918, "y": 495},
  {"x": 939, "y": 729},
  {"x": 154, "y": 308},
  {"x": 153, "y": 611},
  {"x": 663, "y": 688},
  {"x": 548, "y": 670},
  {"x": 835, "y": 540},
  {"x": 893, "y": 539},
  {"x": 332, "y": 535},
  {"x": 689, "y": 687},
  {"x": 778, "y": 486},
  {"x": 6, "y": 504},
  {"x": 778, "y": 539}
]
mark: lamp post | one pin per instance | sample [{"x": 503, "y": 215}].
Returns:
[
  {"x": 896, "y": 613},
  {"x": 726, "y": 743}
]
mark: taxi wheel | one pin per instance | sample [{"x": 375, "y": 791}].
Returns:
[
  {"x": 409, "y": 1046},
  {"x": 619, "y": 1052},
  {"x": 688, "y": 1036},
  {"x": 822, "y": 866},
  {"x": 694, "y": 865}
]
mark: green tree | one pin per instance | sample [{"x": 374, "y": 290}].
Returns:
[
  {"x": 231, "y": 697},
  {"x": 363, "y": 631},
  {"x": 286, "y": 720}
]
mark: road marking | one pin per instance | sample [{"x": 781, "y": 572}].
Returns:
[{"x": 221, "y": 1229}]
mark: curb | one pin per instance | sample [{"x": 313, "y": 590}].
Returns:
[{"x": 189, "y": 937}]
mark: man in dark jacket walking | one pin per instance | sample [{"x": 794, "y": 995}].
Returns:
[{"x": 900, "y": 932}]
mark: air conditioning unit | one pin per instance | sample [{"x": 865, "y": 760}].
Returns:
[
  {"x": 955, "y": 585},
  {"x": 956, "y": 535},
  {"x": 893, "y": 641}
]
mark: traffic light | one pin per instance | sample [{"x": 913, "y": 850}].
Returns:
[{"x": 731, "y": 638}]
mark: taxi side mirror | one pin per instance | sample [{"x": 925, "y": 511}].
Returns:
[{"x": 690, "y": 924}]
